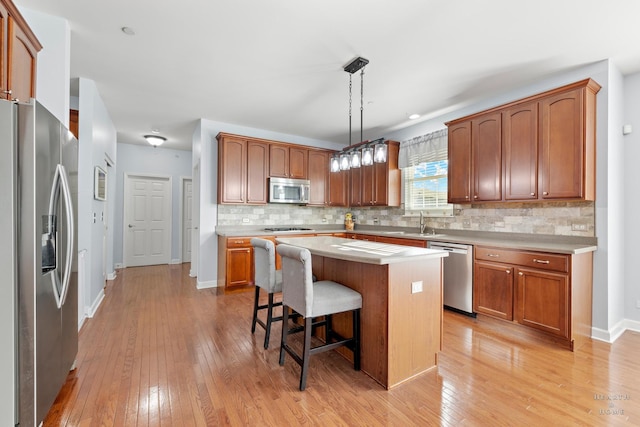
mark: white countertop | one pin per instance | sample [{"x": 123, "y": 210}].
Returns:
[{"x": 360, "y": 250}]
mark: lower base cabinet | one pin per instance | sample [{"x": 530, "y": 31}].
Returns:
[{"x": 545, "y": 291}]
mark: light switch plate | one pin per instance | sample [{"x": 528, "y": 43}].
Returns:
[{"x": 416, "y": 287}]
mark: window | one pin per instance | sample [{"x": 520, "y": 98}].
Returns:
[
  {"x": 425, "y": 188},
  {"x": 424, "y": 166}
]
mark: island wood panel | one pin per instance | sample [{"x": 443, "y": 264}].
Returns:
[{"x": 400, "y": 331}]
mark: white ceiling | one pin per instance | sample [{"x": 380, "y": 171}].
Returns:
[{"x": 278, "y": 64}]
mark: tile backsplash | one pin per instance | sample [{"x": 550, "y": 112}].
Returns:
[{"x": 553, "y": 218}]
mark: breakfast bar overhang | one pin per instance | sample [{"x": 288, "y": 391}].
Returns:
[{"x": 401, "y": 288}]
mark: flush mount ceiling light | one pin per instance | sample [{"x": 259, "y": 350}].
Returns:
[
  {"x": 364, "y": 153},
  {"x": 414, "y": 116},
  {"x": 155, "y": 140}
]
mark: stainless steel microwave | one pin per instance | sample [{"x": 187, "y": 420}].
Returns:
[{"x": 286, "y": 190}]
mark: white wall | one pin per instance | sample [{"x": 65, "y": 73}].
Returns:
[
  {"x": 205, "y": 154},
  {"x": 52, "y": 76},
  {"x": 134, "y": 159},
  {"x": 97, "y": 137},
  {"x": 631, "y": 144}
]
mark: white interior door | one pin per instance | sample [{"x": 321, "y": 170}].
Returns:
[
  {"x": 147, "y": 224},
  {"x": 187, "y": 219}
]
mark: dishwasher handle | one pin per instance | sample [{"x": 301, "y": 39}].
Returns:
[{"x": 452, "y": 248}]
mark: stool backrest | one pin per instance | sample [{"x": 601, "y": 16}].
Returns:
[
  {"x": 264, "y": 259},
  {"x": 297, "y": 279}
]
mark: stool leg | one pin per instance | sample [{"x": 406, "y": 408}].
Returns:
[
  {"x": 285, "y": 331},
  {"x": 255, "y": 310},
  {"x": 269, "y": 320},
  {"x": 328, "y": 330},
  {"x": 356, "y": 339},
  {"x": 306, "y": 352}
]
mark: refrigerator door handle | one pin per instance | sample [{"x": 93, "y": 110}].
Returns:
[{"x": 61, "y": 185}]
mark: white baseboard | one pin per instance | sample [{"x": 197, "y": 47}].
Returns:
[
  {"x": 91, "y": 311},
  {"x": 112, "y": 275},
  {"x": 616, "y": 331},
  {"x": 193, "y": 273},
  {"x": 206, "y": 284},
  {"x": 176, "y": 261}
]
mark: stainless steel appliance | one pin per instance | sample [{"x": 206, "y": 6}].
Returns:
[
  {"x": 38, "y": 262},
  {"x": 286, "y": 190},
  {"x": 457, "y": 276}
]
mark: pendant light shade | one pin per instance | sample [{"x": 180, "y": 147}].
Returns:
[
  {"x": 380, "y": 152},
  {"x": 355, "y": 159},
  {"x": 334, "y": 163},
  {"x": 367, "y": 156},
  {"x": 345, "y": 162}
]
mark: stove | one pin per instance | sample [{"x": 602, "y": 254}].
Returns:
[{"x": 288, "y": 229}]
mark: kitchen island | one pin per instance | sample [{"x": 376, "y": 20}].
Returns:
[{"x": 401, "y": 288}]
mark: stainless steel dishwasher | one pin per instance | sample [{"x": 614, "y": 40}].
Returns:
[{"x": 457, "y": 276}]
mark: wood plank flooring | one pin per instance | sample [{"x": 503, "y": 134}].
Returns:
[{"x": 159, "y": 352}]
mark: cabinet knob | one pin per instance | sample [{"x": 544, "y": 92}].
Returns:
[
  {"x": 533, "y": 194},
  {"x": 475, "y": 197},
  {"x": 521, "y": 274},
  {"x": 8, "y": 92},
  {"x": 508, "y": 271},
  {"x": 466, "y": 197},
  {"x": 546, "y": 193}
]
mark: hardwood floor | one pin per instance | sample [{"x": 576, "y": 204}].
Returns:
[{"x": 159, "y": 352}]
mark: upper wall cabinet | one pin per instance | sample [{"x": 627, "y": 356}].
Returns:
[
  {"x": 243, "y": 165},
  {"x": 327, "y": 188},
  {"x": 18, "y": 53},
  {"x": 378, "y": 184},
  {"x": 538, "y": 148},
  {"x": 288, "y": 161}
]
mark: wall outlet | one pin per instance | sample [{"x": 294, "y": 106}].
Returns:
[
  {"x": 245, "y": 220},
  {"x": 416, "y": 287},
  {"x": 579, "y": 227},
  {"x": 466, "y": 223}
]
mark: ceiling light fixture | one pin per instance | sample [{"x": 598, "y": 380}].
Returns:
[
  {"x": 414, "y": 116},
  {"x": 155, "y": 140},
  {"x": 128, "y": 31},
  {"x": 364, "y": 153}
]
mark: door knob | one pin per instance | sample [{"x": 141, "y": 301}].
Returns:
[{"x": 130, "y": 226}]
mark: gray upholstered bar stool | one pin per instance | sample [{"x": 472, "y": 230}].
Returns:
[
  {"x": 268, "y": 278},
  {"x": 312, "y": 300}
]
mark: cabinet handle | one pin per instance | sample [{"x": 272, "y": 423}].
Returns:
[
  {"x": 521, "y": 274},
  {"x": 541, "y": 261},
  {"x": 493, "y": 256},
  {"x": 533, "y": 194},
  {"x": 546, "y": 193},
  {"x": 466, "y": 197},
  {"x": 475, "y": 197},
  {"x": 508, "y": 271}
]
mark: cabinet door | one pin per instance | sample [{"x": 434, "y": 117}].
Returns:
[
  {"x": 486, "y": 150},
  {"x": 520, "y": 151},
  {"x": 4, "y": 22},
  {"x": 459, "y": 178},
  {"x": 338, "y": 195},
  {"x": 232, "y": 170},
  {"x": 367, "y": 175},
  {"x": 279, "y": 160},
  {"x": 561, "y": 150},
  {"x": 355, "y": 187},
  {"x": 239, "y": 267},
  {"x": 542, "y": 300},
  {"x": 318, "y": 177},
  {"x": 22, "y": 63},
  {"x": 493, "y": 289},
  {"x": 257, "y": 172},
  {"x": 298, "y": 161}
]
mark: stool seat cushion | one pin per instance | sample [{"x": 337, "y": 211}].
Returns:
[{"x": 331, "y": 297}]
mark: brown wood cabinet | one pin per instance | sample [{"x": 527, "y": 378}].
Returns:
[
  {"x": 379, "y": 183},
  {"x": 402, "y": 241},
  {"x": 287, "y": 161},
  {"x": 235, "y": 262},
  {"x": 326, "y": 188},
  {"x": 545, "y": 291},
  {"x": 538, "y": 148},
  {"x": 242, "y": 170},
  {"x": 18, "y": 55}
]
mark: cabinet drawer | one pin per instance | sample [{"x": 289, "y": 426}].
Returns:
[
  {"x": 540, "y": 260},
  {"x": 239, "y": 242}
]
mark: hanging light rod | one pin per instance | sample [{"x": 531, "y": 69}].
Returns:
[{"x": 356, "y": 65}]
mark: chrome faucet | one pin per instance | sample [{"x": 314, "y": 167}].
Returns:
[{"x": 423, "y": 224}]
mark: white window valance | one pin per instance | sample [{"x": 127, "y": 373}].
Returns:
[{"x": 424, "y": 148}]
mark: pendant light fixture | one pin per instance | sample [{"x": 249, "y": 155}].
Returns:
[{"x": 364, "y": 153}]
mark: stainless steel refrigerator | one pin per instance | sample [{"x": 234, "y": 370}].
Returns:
[{"x": 38, "y": 260}]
